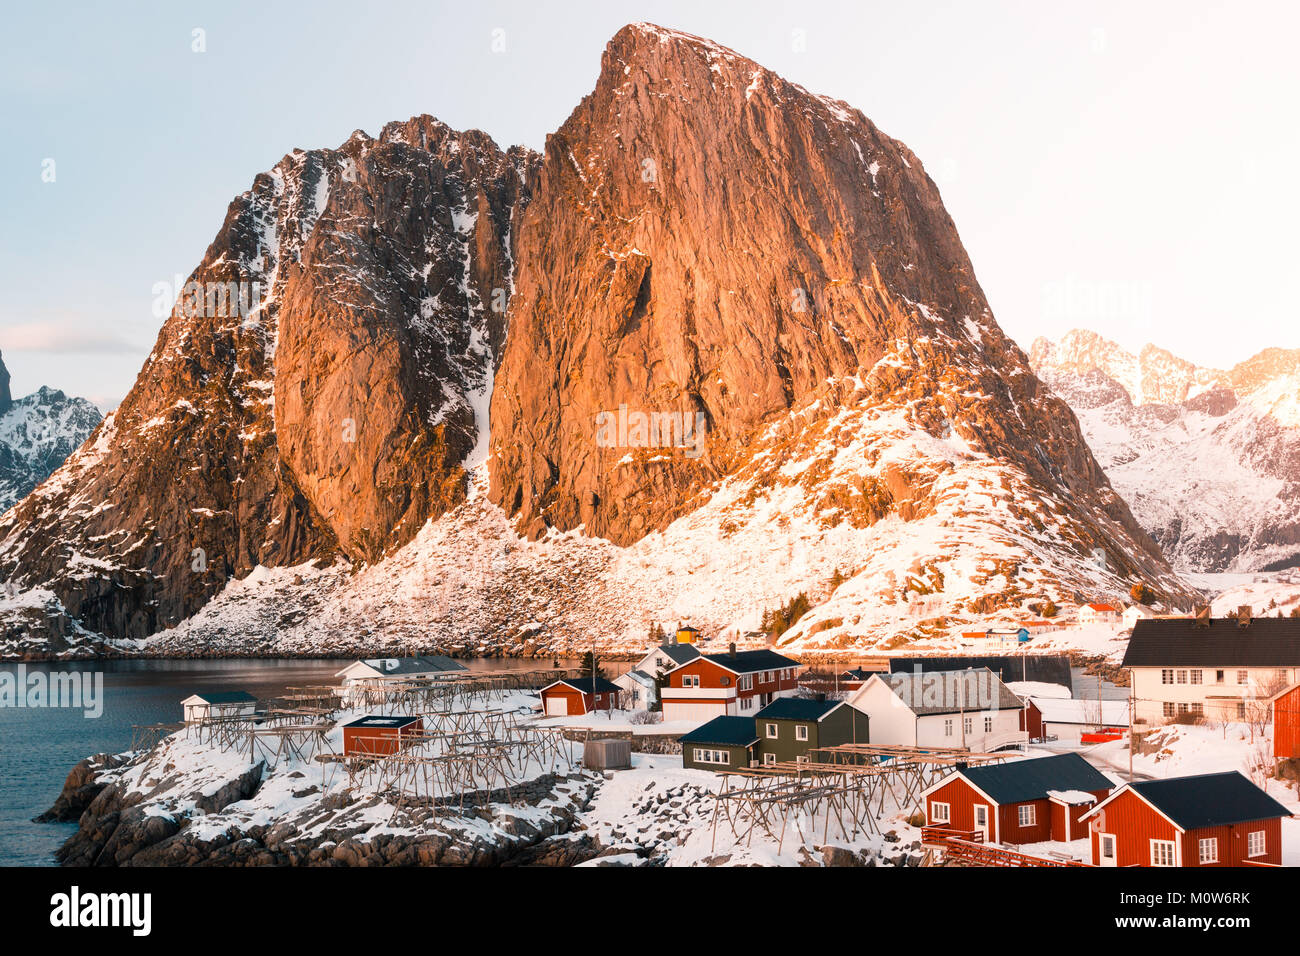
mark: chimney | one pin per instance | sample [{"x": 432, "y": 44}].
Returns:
[
  {"x": 1243, "y": 615},
  {"x": 731, "y": 649}
]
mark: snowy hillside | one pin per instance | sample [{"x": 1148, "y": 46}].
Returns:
[{"x": 1208, "y": 460}]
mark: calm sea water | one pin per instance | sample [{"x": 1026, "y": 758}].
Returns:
[{"x": 39, "y": 746}]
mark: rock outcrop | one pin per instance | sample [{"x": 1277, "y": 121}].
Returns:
[
  {"x": 738, "y": 338},
  {"x": 313, "y": 395}
]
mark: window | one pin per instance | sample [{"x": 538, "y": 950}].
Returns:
[
  {"x": 1162, "y": 852},
  {"x": 1197, "y": 708},
  {"x": 1218, "y": 677},
  {"x": 1208, "y": 850},
  {"x": 803, "y": 758},
  {"x": 769, "y": 758},
  {"x": 1027, "y": 815},
  {"x": 939, "y": 813},
  {"x": 771, "y": 730},
  {"x": 1241, "y": 710},
  {"x": 690, "y": 680},
  {"x": 1166, "y": 675},
  {"x": 745, "y": 682},
  {"x": 705, "y": 755},
  {"x": 988, "y": 725},
  {"x": 767, "y": 677},
  {"x": 1243, "y": 677},
  {"x": 1255, "y": 843},
  {"x": 966, "y": 725},
  {"x": 1169, "y": 709},
  {"x": 801, "y": 732},
  {"x": 1182, "y": 677},
  {"x": 746, "y": 703},
  {"x": 947, "y": 727},
  {"x": 1196, "y": 677}
]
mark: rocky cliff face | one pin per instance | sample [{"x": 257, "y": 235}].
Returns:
[
  {"x": 313, "y": 394},
  {"x": 745, "y": 349},
  {"x": 37, "y": 433},
  {"x": 1208, "y": 459}
]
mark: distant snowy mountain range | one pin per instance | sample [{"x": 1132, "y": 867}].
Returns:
[
  {"x": 1207, "y": 459},
  {"x": 37, "y": 432}
]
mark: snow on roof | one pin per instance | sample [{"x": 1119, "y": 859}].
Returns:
[
  {"x": 1070, "y": 796},
  {"x": 1038, "y": 688},
  {"x": 1057, "y": 710}
]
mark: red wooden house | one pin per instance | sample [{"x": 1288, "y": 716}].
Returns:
[
  {"x": 738, "y": 683},
  {"x": 1212, "y": 819},
  {"x": 1286, "y": 724},
  {"x": 379, "y": 733},
  {"x": 572, "y": 697},
  {"x": 1022, "y": 801}
]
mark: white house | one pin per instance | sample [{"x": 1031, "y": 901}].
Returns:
[
  {"x": 1218, "y": 668},
  {"x": 1136, "y": 612},
  {"x": 219, "y": 703},
  {"x": 640, "y": 683},
  {"x": 376, "y": 669},
  {"x": 969, "y": 709},
  {"x": 1098, "y": 614}
]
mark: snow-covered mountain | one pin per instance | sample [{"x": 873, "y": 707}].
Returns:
[
  {"x": 37, "y": 433},
  {"x": 1208, "y": 459},
  {"x": 700, "y": 239}
]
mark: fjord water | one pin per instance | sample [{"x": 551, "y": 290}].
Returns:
[{"x": 38, "y": 746}]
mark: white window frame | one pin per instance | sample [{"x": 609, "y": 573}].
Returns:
[
  {"x": 771, "y": 731},
  {"x": 1166, "y": 675},
  {"x": 690, "y": 680},
  {"x": 940, "y": 812},
  {"x": 746, "y": 703},
  {"x": 800, "y": 731},
  {"x": 1182, "y": 676},
  {"x": 1251, "y": 849},
  {"x": 1196, "y": 676},
  {"x": 769, "y": 758},
  {"x": 1243, "y": 678},
  {"x": 1207, "y": 850},
  {"x": 1027, "y": 815},
  {"x": 988, "y": 725},
  {"x": 967, "y": 724},
  {"x": 947, "y": 727},
  {"x": 709, "y": 755},
  {"x": 745, "y": 682},
  {"x": 1157, "y": 852}
]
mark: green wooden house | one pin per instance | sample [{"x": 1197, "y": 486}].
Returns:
[
  {"x": 789, "y": 727},
  {"x": 724, "y": 743}
]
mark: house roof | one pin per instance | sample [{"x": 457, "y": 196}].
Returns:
[
  {"x": 949, "y": 692},
  {"x": 680, "y": 653},
  {"x": 1019, "y": 780},
  {"x": 637, "y": 675},
  {"x": 408, "y": 666},
  {"x": 797, "y": 708},
  {"x": 383, "y": 720},
  {"x": 224, "y": 697},
  {"x": 1179, "y": 641},
  {"x": 725, "y": 731},
  {"x": 584, "y": 684},
  {"x": 1103, "y": 607},
  {"x": 748, "y": 662},
  {"x": 1204, "y": 800},
  {"x": 1057, "y": 710}
]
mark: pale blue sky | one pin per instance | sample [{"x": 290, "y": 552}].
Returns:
[{"x": 1126, "y": 167}]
